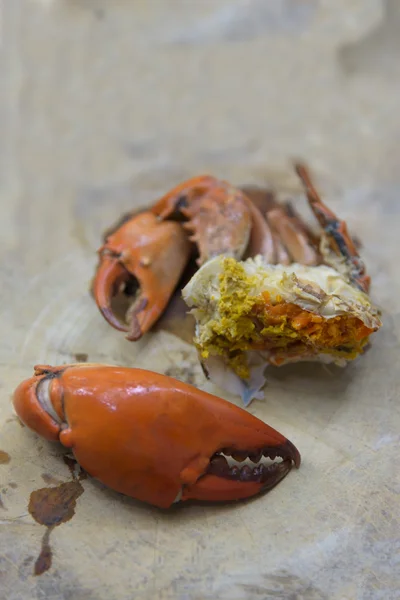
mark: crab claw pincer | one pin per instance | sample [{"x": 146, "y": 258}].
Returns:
[
  {"x": 152, "y": 437},
  {"x": 136, "y": 259}
]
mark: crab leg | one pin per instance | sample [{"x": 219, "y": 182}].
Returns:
[
  {"x": 278, "y": 234},
  {"x": 262, "y": 239},
  {"x": 311, "y": 235},
  {"x": 336, "y": 232},
  {"x": 292, "y": 236},
  {"x": 282, "y": 255}
]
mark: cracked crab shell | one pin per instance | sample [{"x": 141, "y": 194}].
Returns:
[{"x": 282, "y": 313}]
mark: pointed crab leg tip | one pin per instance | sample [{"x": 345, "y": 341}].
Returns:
[
  {"x": 134, "y": 337},
  {"x": 304, "y": 175},
  {"x": 300, "y": 169}
]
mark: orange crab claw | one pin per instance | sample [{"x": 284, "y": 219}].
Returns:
[
  {"x": 336, "y": 232},
  {"x": 152, "y": 437},
  {"x": 145, "y": 258}
]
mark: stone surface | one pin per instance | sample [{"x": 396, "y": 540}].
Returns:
[{"x": 104, "y": 106}]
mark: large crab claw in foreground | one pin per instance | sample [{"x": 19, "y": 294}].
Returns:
[
  {"x": 145, "y": 258},
  {"x": 152, "y": 437}
]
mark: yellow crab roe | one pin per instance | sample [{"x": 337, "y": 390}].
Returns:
[{"x": 254, "y": 322}]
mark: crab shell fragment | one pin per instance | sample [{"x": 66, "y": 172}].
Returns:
[
  {"x": 152, "y": 437},
  {"x": 251, "y": 313}
]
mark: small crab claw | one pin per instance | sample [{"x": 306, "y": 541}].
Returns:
[
  {"x": 337, "y": 236},
  {"x": 145, "y": 259}
]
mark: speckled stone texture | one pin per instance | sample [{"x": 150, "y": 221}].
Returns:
[{"x": 106, "y": 104}]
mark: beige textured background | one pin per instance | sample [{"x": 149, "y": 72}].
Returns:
[{"x": 104, "y": 105}]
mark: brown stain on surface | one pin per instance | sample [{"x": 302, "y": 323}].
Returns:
[
  {"x": 4, "y": 457},
  {"x": 282, "y": 585},
  {"x": 81, "y": 357},
  {"x": 76, "y": 470},
  {"x": 52, "y": 506},
  {"x": 44, "y": 560}
]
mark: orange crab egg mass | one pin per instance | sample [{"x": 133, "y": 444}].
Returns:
[{"x": 286, "y": 325}]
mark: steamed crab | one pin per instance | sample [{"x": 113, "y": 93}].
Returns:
[{"x": 268, "y": 290}]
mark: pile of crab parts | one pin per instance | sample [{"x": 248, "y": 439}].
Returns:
[{"x": 266, "y": 290}]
